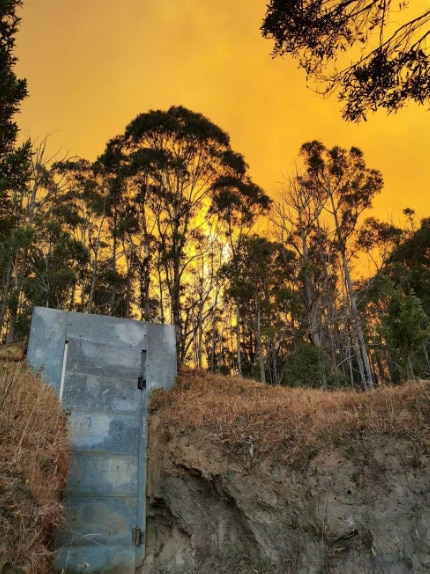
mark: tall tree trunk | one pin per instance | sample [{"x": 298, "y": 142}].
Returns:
[
  {"x": 367, "y": 376},
  {"x": 276, "y": 380},
  {"x": 213, "y": 344},
  {"x": 259, "y": 345},
  {"x": 94, "y": 270},
  {"x": 239, "y": 357},
  {"x": 5, "y": 296},
  {"x": 199, "y": 339},
  {"x": 146, "y": 284}
]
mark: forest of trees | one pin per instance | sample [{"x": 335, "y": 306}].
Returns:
[
  {"x": 304, "y": 288},
  {"x": 167, "y": 226}
]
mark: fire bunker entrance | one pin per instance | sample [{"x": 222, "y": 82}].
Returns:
[{"x": 102, "y": 369}]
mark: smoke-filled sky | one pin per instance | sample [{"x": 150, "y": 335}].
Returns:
[{"x": 93, "y": 65}]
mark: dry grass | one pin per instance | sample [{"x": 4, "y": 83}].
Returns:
[
  {"x": 291, "y": 425},
  {"x": 33, "y": 466}
]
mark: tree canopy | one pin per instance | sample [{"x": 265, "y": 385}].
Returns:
[
  {"x": 14, "y": 160},
  {"x": 184, "y": 185},
  {"x": 160, "y": 228},
  {"x": 12, "y": 89},
  {"x": 375, "y": 53},
  {"x": 12, "y": 92}
]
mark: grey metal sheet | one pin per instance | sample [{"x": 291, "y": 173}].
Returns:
[
  {"x": 113, "y": 560},
  {"x": 101, "y": 393},
  {"x": 121, "y": 332},
  {"x": 105, "y": 494},
  {"x": 102, "y": 475},
  {"x": 97, "y": 358},
  {"x": 46, "y": 343},
  {"x": 95, "y": 559},
  {"x": 161, "y": 365},
  {"x": 98, "y": 521},
  {"x": 102, "y": 432}
]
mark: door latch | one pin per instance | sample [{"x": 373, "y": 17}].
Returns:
[{"x": 137, "y": 536}]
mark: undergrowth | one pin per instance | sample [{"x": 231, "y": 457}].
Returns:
[
  {"x": 290, "y": 425},
  {"x": 33, "y": 467}
]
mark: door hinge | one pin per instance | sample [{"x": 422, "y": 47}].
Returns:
[
  {"x": 141, "y": 383},
  {"x": 137, "y": 536}
]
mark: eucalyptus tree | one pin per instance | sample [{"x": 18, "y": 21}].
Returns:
[
  {"x": 202, "y": 299},
  {"x": 180, "y": 172},
  {"x": 296, "y": 216},
  {"x": 347, "y": 187},
  {"x": 238, "y": 212},
  {"x": 259, "y": 276},
  {"x": 378, "y": 240},
  {"x": 404, "y": 321},
  {"x": 396, "y": 301},
  {"x": 388, "y": 57},
  {"x": 55, "y": 265},
  {"x": 44, "y": 262},
  {"x": 409, "y": 264},
  {"x": 58, "y": 259},
  {"x": 27, "y": 203},
  {"x": 317, "y": 215},
  {"x": 85, "y": 189}
]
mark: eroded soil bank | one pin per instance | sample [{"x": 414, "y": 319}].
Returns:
[{"x": 243, "y": 478}]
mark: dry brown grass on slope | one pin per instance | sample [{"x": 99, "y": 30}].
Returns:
[
  {"x": 291, "y": 425},
  {"x": 33, "y": 466}
]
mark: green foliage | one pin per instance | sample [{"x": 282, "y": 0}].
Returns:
[
  {"x": 257, "y": 283},
  {"x": 333, "y": 191},
  {"x": 306, "y": 367},
  {"x": 406, "y": 328},
  {"x": 111, "y": 295},
  {"x": 13, "y": 161},
  {"x": 390, "y": 60},
  {"x": 406, "y": 323},
  {"x": 12, "y": 89},
  {"x": 409, "y": 264},
  {"x": 256, "y": 269},
  {"x": 170, "y": 172},
  {"x": 400, "y": 327},
  {"x": 55, "y": 266}
]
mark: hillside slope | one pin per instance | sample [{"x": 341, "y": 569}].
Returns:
[
  {"x": 246, "y": 478},
  {"x": 33, "y": 467}
]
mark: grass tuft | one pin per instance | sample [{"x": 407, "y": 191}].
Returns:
[
  {"x": 290, "y": 425},
  {"x": 33, "y": 467}
]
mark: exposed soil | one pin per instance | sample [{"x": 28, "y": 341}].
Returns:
[{"x": 357, "y": 502}]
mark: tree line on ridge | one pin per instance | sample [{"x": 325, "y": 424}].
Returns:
[{"x": 168, "y": 226}]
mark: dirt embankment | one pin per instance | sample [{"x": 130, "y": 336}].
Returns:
[{"x": 244, "y": 478}]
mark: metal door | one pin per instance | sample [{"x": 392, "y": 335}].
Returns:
[
  {"x": 103, "y": 393},
  {"x": 99, "y": 367}
]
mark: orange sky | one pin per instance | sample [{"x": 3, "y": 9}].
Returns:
[{"x": 93, "y": 65}]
